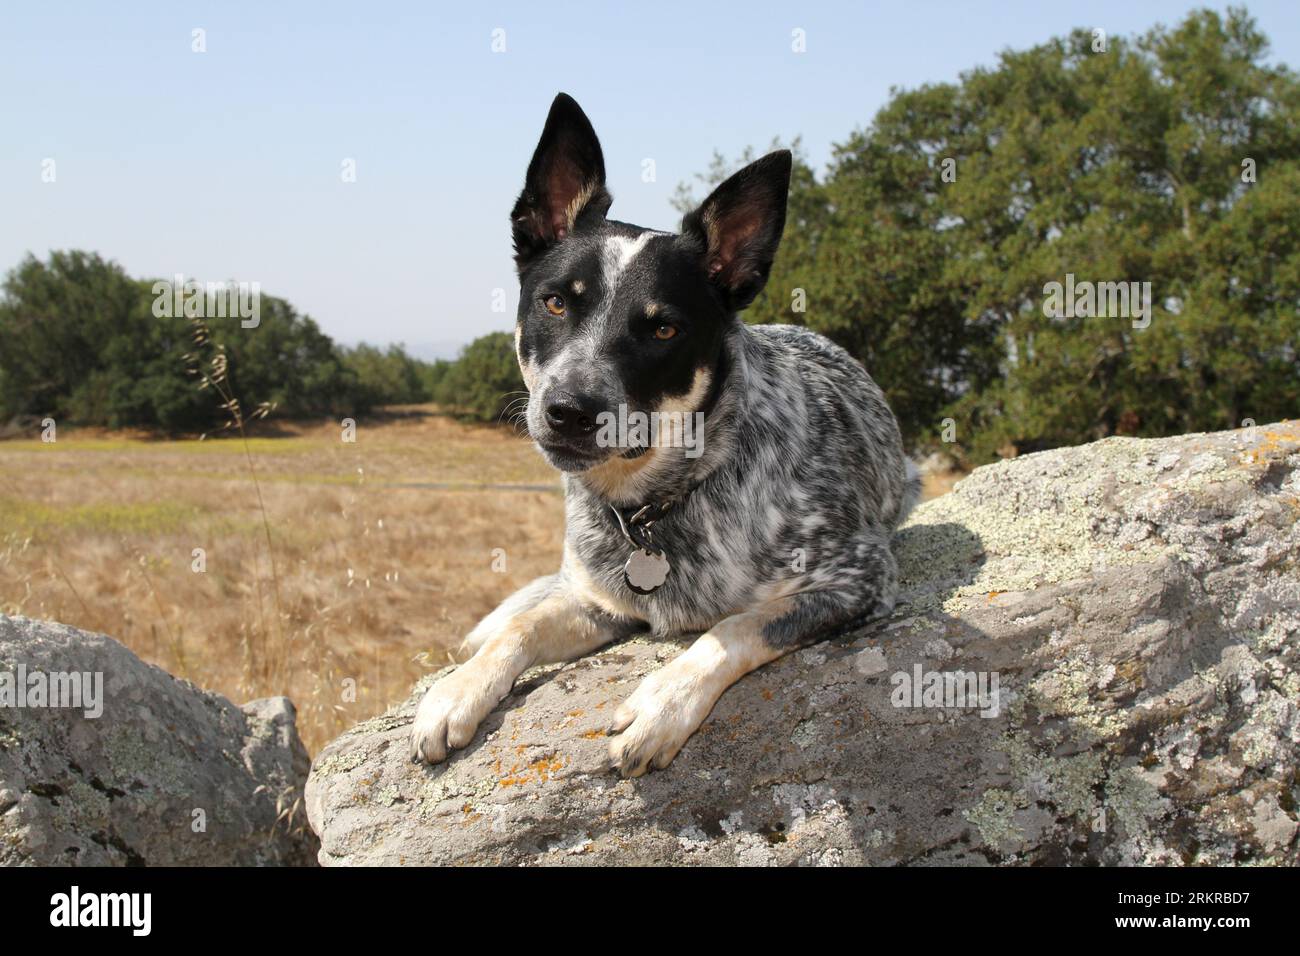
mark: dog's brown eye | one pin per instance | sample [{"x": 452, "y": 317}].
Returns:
[
  {"x": 555, "y": 304},
  {"x": 665, "y": 332}
]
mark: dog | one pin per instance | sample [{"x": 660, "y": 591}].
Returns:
[{"x": 772, "y": 533}]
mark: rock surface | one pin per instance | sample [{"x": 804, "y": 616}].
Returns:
[
  {"x": 1139, "y": 602},
  {"x": 167, "y": 774}
]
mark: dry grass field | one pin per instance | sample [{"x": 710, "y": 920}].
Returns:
[
  {"x": 382, "y": 552},
  {"x": 380, "y": 559}
]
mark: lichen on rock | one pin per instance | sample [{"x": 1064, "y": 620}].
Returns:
[
  {"x": 167, "y": 774},
  {"x": 1138, "y": 600}
]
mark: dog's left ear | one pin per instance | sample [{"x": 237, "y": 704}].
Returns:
[
  {"x": 739, "y": 227},
  {"x": 565, "y": 184}
]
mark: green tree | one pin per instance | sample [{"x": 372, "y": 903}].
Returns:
[
  {"x": 388, "y": 376},
  {"x": 483, "y": 380},
  {"x": 55, "y": 320},
  {"x": 79, "y": 340},
  {"x": 928, "y": 246}
]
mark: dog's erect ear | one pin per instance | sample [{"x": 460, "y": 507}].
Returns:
[
  {"x": 739, "y": 227},
  {"x": 565, "y": 185}
]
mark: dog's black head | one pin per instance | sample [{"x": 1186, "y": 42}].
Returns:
[{"x": 614, "y": 315}]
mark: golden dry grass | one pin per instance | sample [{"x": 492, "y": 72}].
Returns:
[
  {"x": 934, "y": 484},
  {"x": 377, "y": 581},
  {"x": 379, "y": 578}
]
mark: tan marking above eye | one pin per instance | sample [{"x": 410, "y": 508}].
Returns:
[
  {"x": 554, "y": 304},
  {"x": 578, "y": 287},
  {"x": 651, "y": 310},
  {"x": 665, "y": 332}
]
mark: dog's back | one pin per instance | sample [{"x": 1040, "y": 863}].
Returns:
[{"x": 849, "y": 442}]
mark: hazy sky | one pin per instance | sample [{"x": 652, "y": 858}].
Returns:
[{"x": 228, "y": 163}]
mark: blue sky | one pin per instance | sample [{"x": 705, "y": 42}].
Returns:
[{"x": 227, "y": 163}]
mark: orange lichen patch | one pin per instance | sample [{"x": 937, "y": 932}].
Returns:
[
  {"x": 766, "y": 694},
  {"x": 546, "y": 768},
  {"x": 568, "y": 718},
  {"x": 539, "y": 770},
  {"x": 994, "y": 595},
  {"x": 594, "y": 734},
  {"x": 1271, "y": 446}
]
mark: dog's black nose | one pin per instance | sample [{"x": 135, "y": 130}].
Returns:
[{"x": 573, "y": 416}]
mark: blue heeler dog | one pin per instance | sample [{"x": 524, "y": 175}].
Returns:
[{"x": 772, "y": 534}]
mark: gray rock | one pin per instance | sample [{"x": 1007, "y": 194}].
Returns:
[
  {"x": 166, "y": 774},
  {"x": 1139, "y": 602}
]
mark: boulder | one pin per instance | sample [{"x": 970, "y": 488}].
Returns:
[
  {"x": 108, "y": 761},
  {"x": 1130, "y": 610}
]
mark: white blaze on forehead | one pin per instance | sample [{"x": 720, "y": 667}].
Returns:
[
  {"x": 585, "y": 348},
  {"x": 618, "y": 254}
]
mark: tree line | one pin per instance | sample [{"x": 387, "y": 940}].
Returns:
[
  {"x": 1096, "y": 236},
  {"x": 80, "y": 341},
  {"x": 934, "y": 246}
]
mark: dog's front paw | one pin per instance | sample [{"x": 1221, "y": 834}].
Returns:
[
  {"x": 448, "y": 715},
  {"x": 659, "y": 717}
]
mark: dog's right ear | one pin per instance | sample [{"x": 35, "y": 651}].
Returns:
[{"x": 565, "y": 185}]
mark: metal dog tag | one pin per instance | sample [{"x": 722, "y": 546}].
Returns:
[{"x": 645, "y": 571}]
